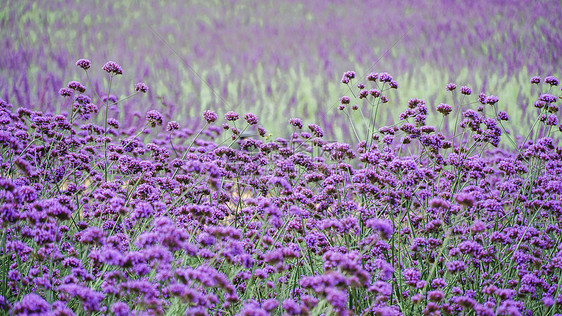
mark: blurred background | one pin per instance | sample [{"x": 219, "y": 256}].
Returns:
[{"x": 278, "y": 59}]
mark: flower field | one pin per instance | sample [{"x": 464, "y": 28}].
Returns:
[{"x": 270, "y": 159}]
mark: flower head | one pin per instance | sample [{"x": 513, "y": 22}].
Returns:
[
  {"x": 172, "y": 126},
  {"x": 551, "y": 80},
  {"x": 251, "y": 118},
  {"x": 84, "y": 64},
  {"x": 112, "y": 68},
  {"x": 141, "y": 87},
  {"x": 535, "y": 80},
  {"x": 450, "y": 86},
  {"x": 466, "y": 90},
  {"x": 210, "y": 116},
  {"x": 154, "y": 118},
  {"x": 231, "y": 116},
  {"x": 296, "y": 122}
]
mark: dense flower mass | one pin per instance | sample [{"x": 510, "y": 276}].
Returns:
[{"x": 411, "y": 219}]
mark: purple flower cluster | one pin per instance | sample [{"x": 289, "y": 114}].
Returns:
[{"x": 107, "y": 219}]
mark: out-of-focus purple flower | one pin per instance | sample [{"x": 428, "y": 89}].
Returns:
[
  {"x": 383, "y": 226},
  {"x": 154, "y": 118},
  {"x": 337, "y": 298},
  {"x": 535, "y": 80},
  {"x": 465, "y": 199},
  {"x": 120, "y": 309},
  {"x": 141, "y": 87},
  {"x": 172, "y": 126},
  {"x": 450, "y": 86},
  {"x": 112, "y": 68},
  {"x": 291, "y": 307},
  {"x": 381, "y": 288},
  {"x": 270, "y": 304},
  {"x": 31, "y": 304},
  {"x": 551, "y": 80},
  {"x": 113, "y": 123},
  {"x": 435, "y": 296},
  {"x": 466, "y": 90},
  {"x": 84, "y": 63}
]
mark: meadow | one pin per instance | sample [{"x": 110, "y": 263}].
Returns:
[{"x": 280, "y": 158}]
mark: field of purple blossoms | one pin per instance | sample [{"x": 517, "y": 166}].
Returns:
[
  {"x": 278, "y": 58},
  {"x": 461, "y": 218}
]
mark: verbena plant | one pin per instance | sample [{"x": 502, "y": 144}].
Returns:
[{"x": 410, "y": 219}]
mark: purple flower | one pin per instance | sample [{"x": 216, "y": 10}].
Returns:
[
  {"x": 465, "y": 199},
  {"x": 65, "y": 92},
  {"x": 296, "y": 122},
  {"x": 120, "y": 309},
  {"x": 411, "y": 276},
  {"x": 502, "y": 116},
  {"x": 251, "y": 118},
  {"x": 345, "y": 100},
  {"x": 450, "y": 86},
  {"x": 383, "y": 226},
  {"x": 444, "y": 109},
  {"x": 466, "y": 90},
  {"x": 75, "y": 85},
  {"x": 154, "y": 118},
  {"x": 112, "y": 68},
  {"x": 551, "y": 120},
  {"x": 372, "y": 76},
  {"x": 316, "y": 130},
  {"x": 337, "y": 298},
  {"x": 455, "y": 266},
  {"x": 92, "y": 235},
  {"x": 551, "y": 80},
  {"x": 91, "y": 300},
  {"x": 291, "y": 307},
  {"x": 382, "y": 288},
  {"x": 172, "y": 126},
  {"x": 84, "y": 64},
  {"x": 141, "y": 87},
  {"x": 435, "y": 296},
  {"x": 535, "y": 80},
  {"x": 231, "y": 116},
  {"x": 31, "y": 304},
  {"x": 210, "y": 116},
  {"x": 385, "y": 77},
  {"x": 492, "y": 99},
  {"x": 270, "y": 304},
  {"x": 548, "y": 98}
]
